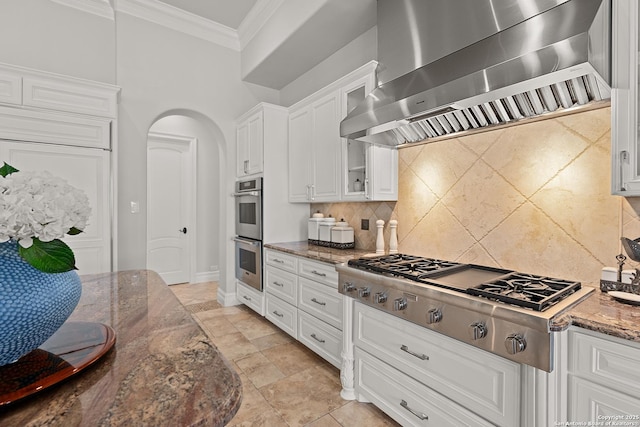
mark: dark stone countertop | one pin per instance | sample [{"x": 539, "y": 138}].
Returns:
[
  {"x": 318, "y": 253},
  {"x": 162, "y": 370},
  {"x": 601, "y": 313}
]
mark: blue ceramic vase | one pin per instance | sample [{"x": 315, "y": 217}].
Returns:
[{"x": 33, "y": 304}]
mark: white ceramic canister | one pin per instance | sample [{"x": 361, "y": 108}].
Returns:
[
  {"x": 342, "y": 236},
  {"x": 324, "y": 232},
  {"x": 314, "y": 227}
]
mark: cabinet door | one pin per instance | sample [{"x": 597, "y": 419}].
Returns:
[
  {"x": 249, "y": 146},
  {"x": 255, "y": 146},
  {"x": 300, "y": 133},
  {"x": 381, "y": 182},
  {"x": 84, "y": 168},
  {"x": 625, "y": 178},
  {"x": 242, "y": 149},
  {"x": 326, "y": 152}
]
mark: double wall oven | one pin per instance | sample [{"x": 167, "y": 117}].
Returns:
[{"x": 248, "y": 252}]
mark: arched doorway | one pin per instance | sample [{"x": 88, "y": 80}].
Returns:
[{"x": 202, "y": 227}]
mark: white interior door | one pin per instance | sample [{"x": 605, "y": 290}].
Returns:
[
  {"x": 171, "y": 175},
  {"x": 87, "y": 169}
]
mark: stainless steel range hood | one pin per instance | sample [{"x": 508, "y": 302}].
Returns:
[{"x": 456, "y": 66}]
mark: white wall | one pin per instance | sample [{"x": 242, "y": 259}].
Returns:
[
  {"x": 160, "y": 71},
  {"x": 47, "y": 36}
]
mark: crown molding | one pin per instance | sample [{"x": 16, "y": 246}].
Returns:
[
  {"x": 97, "y": 7},
  {"x": 257, "y": 17},
  {"x": 180, "y": 20}
]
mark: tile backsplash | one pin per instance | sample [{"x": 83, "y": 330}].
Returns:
[{"x": 533, "y": 198}]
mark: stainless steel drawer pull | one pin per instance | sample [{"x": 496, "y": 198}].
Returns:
[
  {"x": 246, "y": 297},
  {"x": 278, "y": 314},
  {"x": 419, "y": 356},
  {"x": 420, "y": 415},
  {"x": 279, "y": 261},
  {"x": 318, "y": 302},
  {"x": 318, "y": 274},
  {"x": 278, "y": 283},
  {"x": 317, "y": 339}
]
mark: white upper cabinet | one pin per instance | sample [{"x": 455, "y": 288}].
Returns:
[
  {"x": 370, "y": 172},
  {"x": 314, "y": 150},
  {"x": 323, "y": 167},
  {"x": 625, "y": 140},
  {"x": 250, "y": 143}
]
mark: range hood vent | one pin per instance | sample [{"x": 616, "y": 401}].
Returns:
[{"x": 553, "y": 62}]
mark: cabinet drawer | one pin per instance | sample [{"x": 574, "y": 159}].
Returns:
[
  {"x": 320, "y": 301},
  {"x": 590, "y": 401},
  {"x": 281, "y": 260},
  {"x": 282, "y": 284},
  {"x": 318, "y": 271},
  {"x": 250, "y": 297},
  {"x": 406, "y": 400},
  {"x": 320, "y": 337},
  {"x": 486, "y": 384},
  {"x": 283, "y": 315},
  {"x": 607, "y": 362}
]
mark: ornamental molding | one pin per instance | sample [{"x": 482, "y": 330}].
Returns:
[
  {"x": 180, "y": 20},
  {"x": 96, "y": 7}
]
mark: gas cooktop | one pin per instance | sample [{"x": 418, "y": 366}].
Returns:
[
  {"x": 522, "y": 290},
  {"x": 508, "y": 313}
]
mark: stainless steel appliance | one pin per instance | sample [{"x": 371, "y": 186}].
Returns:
[
  {"x": 457, "y": 66},
  {"x": 501, "y": 311},
  {"x": 248, "y": 239},
  {"x": 248, "y": 197},
  {"x": 249, "y": 262}
]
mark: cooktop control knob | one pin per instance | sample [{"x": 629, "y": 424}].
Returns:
[
  {"x": 348, "y": 287},
  {"x": 515, "y": 343},
  {"x": 434, "y": 315},
  {"x": 380, "y": 298},
  {"x": 399, "y": 304},
  {"x": 478, "y": 330},
  {"x": 364, "y": 292}
]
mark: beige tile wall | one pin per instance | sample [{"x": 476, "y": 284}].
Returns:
[{"x": 533, "y": 198}]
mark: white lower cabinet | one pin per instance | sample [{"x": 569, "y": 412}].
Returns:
[
  {"x": 302, "y": 299},
  {"x": 604, "y": 379},
  {"x": 252, "y": 298},
  {"x": 283, "y": 315},
  {"x": 406, "y": 400},
  {"x": 477, "y": 381},
  {"x": 323, "y": 339}
]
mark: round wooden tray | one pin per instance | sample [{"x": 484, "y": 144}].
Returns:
[{"x": 71, "y": 349}]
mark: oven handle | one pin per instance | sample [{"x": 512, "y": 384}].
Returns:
[
  {"x": 247, "y": 193},
  {"x": 247, "y": 241}
]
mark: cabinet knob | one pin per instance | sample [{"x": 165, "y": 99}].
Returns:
[
  {"x": 478, "y": 330},
  {"x": 515, "y": 343},
  {"x": 183, "y": 230},
  {"x": 434, "y": 315}
]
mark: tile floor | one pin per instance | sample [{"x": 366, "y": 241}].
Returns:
[{"x": 284, "y": 383}]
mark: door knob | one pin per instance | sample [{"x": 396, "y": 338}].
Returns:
[{"x": 184, "y": 230}]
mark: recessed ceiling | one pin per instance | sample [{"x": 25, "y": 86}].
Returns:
[{"x": 226, "y": 12}]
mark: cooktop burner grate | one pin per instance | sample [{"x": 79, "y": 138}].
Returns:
[
  {"x": 525, "y": 290},
  {"x": 522, "y": 290}
]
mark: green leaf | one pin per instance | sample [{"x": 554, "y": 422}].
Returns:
[
  {"x": 50, "y": 257},
  {"x": 73, "y": 231},
  {"x": 7, "y": 170}
]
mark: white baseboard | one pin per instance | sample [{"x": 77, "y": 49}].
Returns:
[
  {"x": 207, "y": 276},
  {"x": 227, "y": 299}
]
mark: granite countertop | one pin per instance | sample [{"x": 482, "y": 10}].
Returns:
[
  {"x": 162, "y": 369},
  {"x": 601, "y": 313},
  {"x": 318, "y": 253}
]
